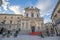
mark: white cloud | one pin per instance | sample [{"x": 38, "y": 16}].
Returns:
[
  {"x": 42, "y": 14},
  {"x": 16, "y": 9},
  {"x": 44, "y": 5},
  {"x": 5, "y": 4},
  {"x": 47, "y": 20}
]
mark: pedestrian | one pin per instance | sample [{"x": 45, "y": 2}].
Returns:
[{"x": 41, "y": 34}]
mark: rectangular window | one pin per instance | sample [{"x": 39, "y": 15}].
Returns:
[
  {"x": 26, "y": 25},
  {"x": 18, "y": 17},
  {"x": 10, "y": 21},
  {"x": 37, "y": 15},
  {"x": 55, "y": 15},
  {"x": 11, "y": 17},
  {"x": 32, "y": 15},
  {"x": 22, "y": 24},
  {"x": 27, "y": 15},
  {"x": 58, "y": 11},
  {"x": 18, "y": 22},
  {"x": 5, "y": 17},
  {"x": 3, "y": 22}
]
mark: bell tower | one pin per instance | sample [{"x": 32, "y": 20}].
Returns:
[{"x": 32, "y": 12}]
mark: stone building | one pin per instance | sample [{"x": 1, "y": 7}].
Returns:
[
  {"x": 56, "y": 18},
  {"x": 30, "y": 22},
  {"x": 49, "y": 28}
]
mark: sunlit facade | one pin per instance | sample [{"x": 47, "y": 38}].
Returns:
[
  {"x": 56, "y": 18},
  {"x": 29, "y": 22}
]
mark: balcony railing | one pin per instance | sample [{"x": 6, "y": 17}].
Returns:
[{"x": 56, "y": 21}]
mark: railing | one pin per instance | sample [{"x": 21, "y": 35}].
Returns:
[{"x": 56, "y": 21}]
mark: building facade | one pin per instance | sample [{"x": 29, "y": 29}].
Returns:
[
  {"x": 49, "y": 29},
  {"x": 30, "y": 22},
  {"x": 56, "y": 18}
]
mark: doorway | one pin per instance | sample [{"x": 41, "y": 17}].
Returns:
[{"x": 33, "y": 28}]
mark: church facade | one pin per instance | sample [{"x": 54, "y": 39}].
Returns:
[{"x": 29, "y": 22}]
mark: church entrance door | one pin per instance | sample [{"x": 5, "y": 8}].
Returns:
[{"x": 33, "y": 29}]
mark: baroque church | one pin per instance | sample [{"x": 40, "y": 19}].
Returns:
[{"x": 31, "y": 21}]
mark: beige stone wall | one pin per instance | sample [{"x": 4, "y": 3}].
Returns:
[
  {"x": 29, "y": 11},
  {"x": 56, "y": 12},
  {"x": 48, "y": 26},
  {"x": 56, "y": 17},
  {"x": 25, "y": 23}
]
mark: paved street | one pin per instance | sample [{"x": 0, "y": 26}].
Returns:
[
  {"x": 29, "y": 37},
  {"x": 29, "y": 19}
]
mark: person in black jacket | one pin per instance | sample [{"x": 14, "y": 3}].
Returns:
[{"x": 2, "y": 30}]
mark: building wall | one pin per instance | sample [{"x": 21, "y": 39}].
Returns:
[
  {"x": 49, "y": 30},
  {"x": 15, "y": 21},
  {"x": 56, "y": 17}
]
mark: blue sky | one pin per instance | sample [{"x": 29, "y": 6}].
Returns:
[{"x": 17, "y": 7}]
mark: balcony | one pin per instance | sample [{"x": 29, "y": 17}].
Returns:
[{"x": 56, "y": 21}]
